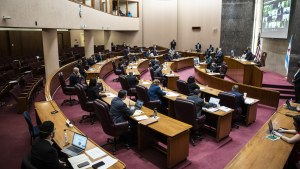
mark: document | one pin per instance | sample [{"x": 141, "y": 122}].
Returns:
[
  {"x": 137, "y": 112},
  {"x": 249, "y": 101},
  {"x": 172, "y": 94},
  {"x": 108, "y": 161},
  {"x": 202, "y": 88},
  {"x": 142, "y": 117},
  {"x": 74, "y": 161},
  {"x": 212, "y": 109},
  {"x": 225, "y": 109},
  {"x": 95, "y": 153},
  {"x": 144, "y": 83},
  {"x": 110, "y": 95}
]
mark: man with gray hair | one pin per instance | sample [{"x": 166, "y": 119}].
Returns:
[
  {"x": 239, "y": 97},
  {"x": 75, "y": 77}
]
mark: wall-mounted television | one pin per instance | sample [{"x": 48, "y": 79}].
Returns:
[{"x": 275, "y": 19}]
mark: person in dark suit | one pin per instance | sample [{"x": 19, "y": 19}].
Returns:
[
  {"x": 173, "y": 44},
  {"x": 197, "y": 100},
  {"x": 176, "y": 55},
  {"x": 191, "y": 82},
  {"x": 155, "y": 92},
  {"x": 93, "y": 90},
  {"x": 127, "y": 51},
  {"x": 98, "y": 57},
  {"x": 296, "y": 81},
  {"x": 43, "y": 154},
  {"x": 219, "y": 56},
  {"x": 90, "y": 61},
  {"x": 119, "y": 111},
  {"x": 113, "y": 47},
  {"x": 198, "y": 47},
  {"x": 132, "y": 80},
  {"x": 239, "y": 96},
  {"x": 208, "y": 59},
  {"x": 249, "y": 55},
  {"x": 210, "y": 48},
  {"x": 75, "y": 77}
]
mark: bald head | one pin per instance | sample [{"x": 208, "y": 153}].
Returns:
[{"x": 235, "y": 88}]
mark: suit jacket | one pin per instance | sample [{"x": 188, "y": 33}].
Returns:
[
  {"x": 155, "y": 93},
  {"x": 198, "y": 47},
  {"x": 132, "y": 81},
  {"x": 44, "y": 156},
  {"x": 93, "y": 93},
  {"x": 158, "y": 72},
  {"x": 98, "y": 58},
  {"x": 249, "y": 56},
  {"x": 90, "y": 61},
  {"x": 74, "y": 79},
  {"x": 239, "y": 98},
  {"x": 173, "y": 44},
  {"x": 119, "y": 110},
  {"x": 198, "y": 102},
  {"x": 192, "y": 87}
]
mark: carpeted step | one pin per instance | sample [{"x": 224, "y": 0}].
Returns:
[
  {"x": 278, "y": 86},
  {"x": 287, "y": 96},
  {"x": 282, "y": 91}
]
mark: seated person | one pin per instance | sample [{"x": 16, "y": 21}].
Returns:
[
  {"x": 147, "y": 54},
  {"x": 119, "y": 111},
  {"x": 214, "y": 67},
  {"x": 219, "y": 56},
  {"x": 208, "y": 59},
  {"x": 249, "y": 55},
  {"x": 154, "y": 52},
  {"x": 132, "y": 80},
  {"x": 176, "y": 55},
  {"x": 196, "y": 97},
  {"x": 75, "y": 77},
  {"x": 120, "y": 12},
  {"x": 191, "y": 82},
  {"x": 158, "y": 73},
  {"x": 210, "y": 48},
  {"x": 155, "y": 92},
  {"x": 90, "y": 60},
  {"x": 129, "y": 14},
  {"x": 239, "y": 97},
  {"x": 294, "y": 155},
  {"x": 223, "y": 68},
  {"x": 98, "y": 57},
  {"x": 198, "y": 47},
  {"x": 43, "y": 154},
  {"x": 93, "y": 90}
]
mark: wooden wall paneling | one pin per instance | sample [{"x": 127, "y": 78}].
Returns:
[
  {"x": 4, "y": 44},
  {"x": 15, "y": 44},
  {"x": 32, "y": 44}
]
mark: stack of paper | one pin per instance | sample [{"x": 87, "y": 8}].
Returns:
[
  {"x": 95, "y": 153},
  {"x": 110, "y": 95},
  {"x": 225, "y": 109},
  {"x": 146, "y": 83},
  {"x": 142, "y": 117},
  {"x": 172, "y": 94},
  {"x": 137, "y": 113},
  {"x": 211, "y": 109},
  {"x": 74, "y": 161},
  {"x": 249, "y": 101},
  {"x": 202, "y": 88}
]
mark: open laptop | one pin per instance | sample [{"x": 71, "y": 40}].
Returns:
[
  {"x": 214, "y": 101},
  {"x": 196, "y": 61},
  {"x": 138, "y": 105},
  {"x": 289, "y": 106},
  {"x": 78, "y": 145}
]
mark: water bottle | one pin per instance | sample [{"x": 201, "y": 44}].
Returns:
[{"x": 154, "y": 113}]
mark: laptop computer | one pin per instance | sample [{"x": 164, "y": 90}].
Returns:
[
  {"x": 289, "y": 106},
  {"x": 214, "y": 101},
  {"x": 78, "y": 145},
  {"x": 138, "y": 105}
]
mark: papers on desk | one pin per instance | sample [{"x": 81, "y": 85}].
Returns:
[
  {"x": 110, "y": 95},
  {"x": 252, "y": 63},
  {"x": 212, "y": 109},
  {"x": 74, "y": 161},
  {"x": 202, "y": 88},
  {"x": 132, "y": 67},
  {"x": 137, "y": 112},
  {"x": 249, "y": 100},
  {"x": 91, "y": 69},
  {"x": 172, "y": 94},
  {"x": 99, "y": 63},
  {"x": 95, "y": 153},
  {"x": 108, "y": 161},
  {"x": 225, "y": 109},
  {"x": 142, "y": 117},
  {"x": 144, "y": 83},
  {"x": 211, "y": 73}
]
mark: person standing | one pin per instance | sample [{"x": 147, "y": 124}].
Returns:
[
  {"x": 173, "y": 44},
  {"x": 296, "y": 82},
  {"x": 198, "y": 47}
]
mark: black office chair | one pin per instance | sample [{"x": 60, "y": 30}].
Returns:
[
  {"x": 26, "y": 163},
  {"x": 125, "y": 86},
  {"x": 116, "y": 71},
  {"x": 33, "y": 130},
  {"x": 142, "y": 94},
  {"x": 67, "y": 90},
  {"x": 182, "y": 87}
]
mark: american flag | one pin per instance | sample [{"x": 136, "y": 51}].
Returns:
[
  {"x": 258, "y": 50},
  {"x": 287, "y": 56}
]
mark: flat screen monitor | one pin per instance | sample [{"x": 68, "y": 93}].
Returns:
[{"x": 275, "y": 18}]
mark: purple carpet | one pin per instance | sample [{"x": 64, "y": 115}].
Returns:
[{"x": 207, "y": 154}]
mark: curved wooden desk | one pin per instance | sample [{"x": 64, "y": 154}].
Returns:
[
  {"x": 244, "y": 72},
  {"x": 255, "y": 92},
  {"x": 182, "y": 63},
  {"x": 138, "y": 68},
  {"x": 262, "y": 153},
  {"x": 45, "y": 108}
]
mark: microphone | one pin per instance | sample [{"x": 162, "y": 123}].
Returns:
[{"x": 54, "y": 111}]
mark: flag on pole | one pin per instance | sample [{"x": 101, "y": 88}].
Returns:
[
  {"x": 258, "y": 50},
  {"x": 287, "y": 56}
]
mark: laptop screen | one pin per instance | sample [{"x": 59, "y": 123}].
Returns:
[
  {"x": 79, "y": 140},
  {"x": 196, "y": 60},
  {"x": 270, "y": 126},
  {"x": 214, "y": 100},
  {"x": 139, "y": 104}
]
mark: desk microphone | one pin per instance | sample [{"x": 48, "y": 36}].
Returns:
[{"x": 54, "y": 111}]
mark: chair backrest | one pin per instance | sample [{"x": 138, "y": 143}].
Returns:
[
  {"x": 142, "y": 93},
  {"x": 227, "y": 99},
  {"x": 182, "y": 87},
  {"x": 151, "y": 73},
  {"x": 102, "y": 113},
  {"x": 185, "y": 111},
  {"x": 28, "y": 121},
  {"x": 61, "y": 80},
  {"x": 223, "y": 70},
  {"x": 81, "y": 96},
  {"x": 114, "y": 66},
  {"x": 263, "y": 59},
  {"x": 124, "y": 82},
  {"x": 26, "y": 163}
]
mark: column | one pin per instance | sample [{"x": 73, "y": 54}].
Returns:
[
  {"x": 50, "y": 47},
  {"x": 88, "y": 42}
]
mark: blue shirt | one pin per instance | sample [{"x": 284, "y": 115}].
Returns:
[{"x": 155, "y": 93}]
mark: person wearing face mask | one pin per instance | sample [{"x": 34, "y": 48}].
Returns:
[
  {"x": 119, "y": 111},
  {"x": 43, "y": 154}
]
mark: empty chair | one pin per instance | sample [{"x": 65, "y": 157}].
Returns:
[
  {"x": 230, "y": 100},
  {"x": 125, "y": 86},
  {"x": 152, "y": 75},
  {"x": 116, "y": 71},
  {"x": 26, "y": 163},
  {"x": 67, "y": 90},
  {"x": 263, "y": 58},
  {"x": 142, "y": 94},
  {"x": 33, "y": 130},
  {"x": 85, "y": 104},
  {"x": 182, "y": 87},
  {"x": 185, "y": 111},
  {"x": 109, "y": 127}
]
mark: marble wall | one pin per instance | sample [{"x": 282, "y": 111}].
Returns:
[{"x": 237, "y": 25}]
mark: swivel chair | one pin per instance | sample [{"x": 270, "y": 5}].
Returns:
[
  {"x": 182, "y": 87},
  {"x": 67, "y": 90},
  {"x": 33, "y": 130}
]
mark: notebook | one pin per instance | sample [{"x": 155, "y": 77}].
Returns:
[{"x": 78, "y": 145}]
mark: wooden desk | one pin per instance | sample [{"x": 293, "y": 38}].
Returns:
[
  {"x": 219, "y": 120},
  {"x": 243, "y": 71},
  {"x": 254, "y": 92},
  {"x": 181, "y": 63},
  {"x": 44, "y": 109},
  {"x": 171, "y": 77},
  {"x": 261, "y": 153},
  {"x": 173, "y": 133},
  {"x": 138, "y": 68}
]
